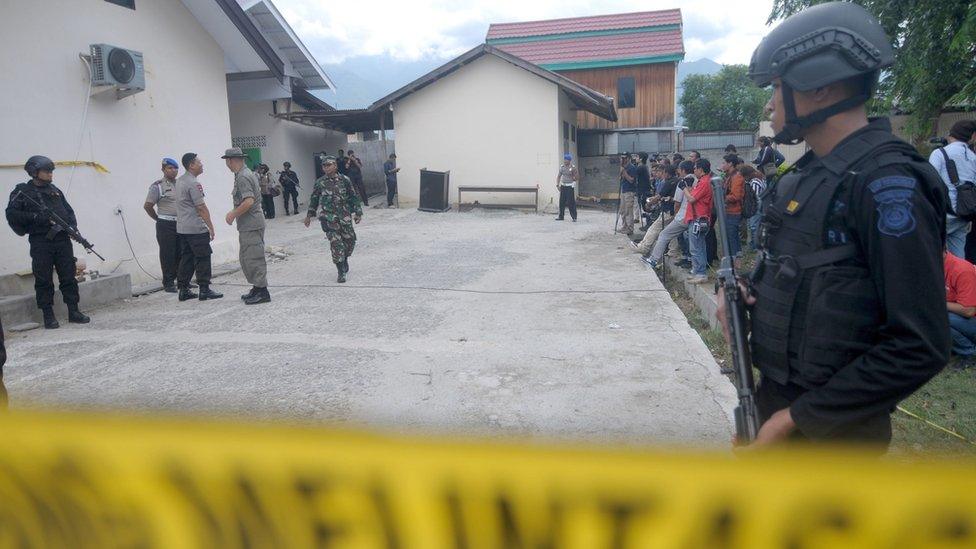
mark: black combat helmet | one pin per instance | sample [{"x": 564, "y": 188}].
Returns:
[
  {"x": 38, "y": 163},
  {"x": 821, "y": 45}
]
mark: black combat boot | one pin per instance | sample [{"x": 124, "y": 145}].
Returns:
[
  {"x": 186, "y": 294},
  {"x": 206, "y": 293},
  {"x": 171, "y": 289},
  {"x": 250, "y": 294},
  {"x": 342, "y": 274},
  {"x": 50, "y": 322},
  {"x": 261, "y": 295},
  {"x": 75, "y": 316},
  {"x": 345, "y": 265}
]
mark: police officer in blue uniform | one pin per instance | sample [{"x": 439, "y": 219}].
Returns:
[{"x": 848, "y": 302}]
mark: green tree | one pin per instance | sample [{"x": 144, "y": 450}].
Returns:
[
  {"x": 726, "y": 101},
  {"x": 935, "y": 55}
]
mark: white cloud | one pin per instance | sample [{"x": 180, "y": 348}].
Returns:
[{"x": 412, "y": 29}]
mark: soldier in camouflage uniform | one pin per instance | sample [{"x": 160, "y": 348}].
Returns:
[{"x": 339, "y": 206}]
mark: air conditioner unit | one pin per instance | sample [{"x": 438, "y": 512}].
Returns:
[{"x": 119, "y": 68}]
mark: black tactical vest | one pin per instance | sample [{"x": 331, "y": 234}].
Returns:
[
  {"x": 817, "y": 307},
  {"x": 48, "y": 195}
]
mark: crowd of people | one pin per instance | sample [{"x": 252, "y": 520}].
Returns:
[{"x": 672, "y": 199}]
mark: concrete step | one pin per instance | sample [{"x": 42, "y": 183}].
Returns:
[
  {"x": 17, "y": 283},
  {"x": 21, "y": 309}
]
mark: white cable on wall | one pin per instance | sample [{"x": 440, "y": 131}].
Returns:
[
  {"x": 125, "y": 231},
  {"x": 84, "y": 120}
]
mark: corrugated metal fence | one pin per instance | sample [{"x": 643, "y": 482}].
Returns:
[{"x": 716, "y": 140}]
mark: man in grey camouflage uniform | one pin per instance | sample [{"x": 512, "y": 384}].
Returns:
[
  {"x": 250, "y": 226},
  {"x": 337, "y": 206}
]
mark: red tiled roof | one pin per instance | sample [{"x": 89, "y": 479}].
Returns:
[
  {"x": 597, "y": 48},
  {"x": 584, "y": 24}
]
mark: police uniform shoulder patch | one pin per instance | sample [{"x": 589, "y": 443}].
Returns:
[{"x": 893, "y": 198}]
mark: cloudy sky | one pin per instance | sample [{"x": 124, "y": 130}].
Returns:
[{"x": 723, "y": 31}]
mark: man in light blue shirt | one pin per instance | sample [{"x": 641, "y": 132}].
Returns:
[{"x": 961, "y": 138}]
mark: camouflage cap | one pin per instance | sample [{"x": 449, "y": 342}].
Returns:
[{"x": 328, "y": 160}]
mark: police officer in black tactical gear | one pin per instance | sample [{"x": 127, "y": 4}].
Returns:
[
  {"x": 50, "y": 250},
  {"x": 847, "y": 301}
]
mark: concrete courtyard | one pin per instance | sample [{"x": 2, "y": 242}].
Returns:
[{"x": 484, "y": 323}]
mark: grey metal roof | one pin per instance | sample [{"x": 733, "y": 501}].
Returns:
[
  {"x": 346, "y": 121},
  {"x": 276, "y": 30}
]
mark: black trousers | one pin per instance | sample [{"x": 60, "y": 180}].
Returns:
[
  {"x": 772, "y": 397},
  {"x": 357, "y": 183},
  {"x": 48, "y": 256},
  {"x": 711, "y": 245},
  {"x": 169, "y": 250},
  {"x": 567, "y": 197},
  {"x": 268, "y": 205},
  {"x": 391, "y": 191},
  {"x": 196, "y": 252},
  {"x": 292, "y": 192}
]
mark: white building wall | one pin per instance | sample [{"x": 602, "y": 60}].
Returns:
[
  {"x": 285, "y": 141},
  {"x": 184, "y": 108},
  {"x": 489, "y": 123}
]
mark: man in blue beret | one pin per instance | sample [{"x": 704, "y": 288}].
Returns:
[{"x": 161, "y": 207}]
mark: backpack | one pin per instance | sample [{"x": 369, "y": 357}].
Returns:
[
  {"x": 778, "y": 158},
  {"x": 750, "y": 202},
  {"x": 965, "y": 191}
]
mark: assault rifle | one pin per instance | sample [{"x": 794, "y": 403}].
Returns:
[
  {"x": 58, "y": 224},
  {"x": 746, "y": 414}
]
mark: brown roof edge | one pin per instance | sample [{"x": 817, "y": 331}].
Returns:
[{"x": 584, "y": 98}]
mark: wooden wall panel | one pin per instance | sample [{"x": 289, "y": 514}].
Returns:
[{"x": 654, "y": 101}]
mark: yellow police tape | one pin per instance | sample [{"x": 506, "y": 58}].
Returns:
[
  {"x": 90, "y": 481},
  {"x": 65, "y": 163}
]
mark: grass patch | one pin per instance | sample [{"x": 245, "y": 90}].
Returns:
[
  {"x": 713, "y": 338},
  {"x": 948, "y": 400}
]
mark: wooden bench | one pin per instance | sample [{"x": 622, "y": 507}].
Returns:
[{"x": 483, "y": 189}]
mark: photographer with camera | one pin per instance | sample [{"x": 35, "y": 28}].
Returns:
[
  {"x": 698, "y": 217},
  {"x": 679, "y": 205},
  {"x": 658, "y": 208},
  {"x": 628, "y": 189},
  {"x": 956, "y": 164},
  {"x": 645, "y": 187}
]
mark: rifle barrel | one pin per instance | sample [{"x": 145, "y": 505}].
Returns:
[{"x": 746, "y": 414}]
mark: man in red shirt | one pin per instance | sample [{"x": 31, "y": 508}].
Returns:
[
  {"x": 960, "y": 285},
  {"x": 698, "y": 218}
]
